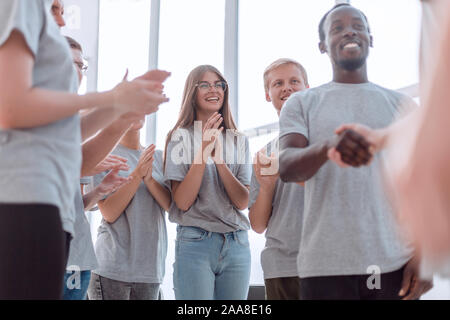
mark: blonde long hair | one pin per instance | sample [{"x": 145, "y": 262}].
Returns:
[{"x": 188, "y": 111}]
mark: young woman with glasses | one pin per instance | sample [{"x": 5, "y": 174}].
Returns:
[
  {"x": 40, "y": 154},
  {"x": 207, "y": 165}
]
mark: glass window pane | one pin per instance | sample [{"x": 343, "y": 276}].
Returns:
[
  {"x": 395, "y": 27},
  {"x": 269, "y": 30},
  {"x": 124, "y": 32},
  {"x": 191, "y": 34}
]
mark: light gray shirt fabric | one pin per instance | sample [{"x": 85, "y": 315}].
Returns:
[
  {"x": 348, "y": 223},
  {"x": 279, "y": 256},
  {"x": 212, "y": 210},
  {"x": 41, "y": 164},
  {"x": 81, "y": 254},
  {"x": 134, "y": 247}
]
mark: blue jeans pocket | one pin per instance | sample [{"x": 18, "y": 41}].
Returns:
[
  {"x": 191, "y": 234},
  {"x": 242, "y": 238}
]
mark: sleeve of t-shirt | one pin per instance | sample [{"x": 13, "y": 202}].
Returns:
[
  {"x": 406, "y": 105},
  {"x": 292, "y": 119},
  {"x": 176, "y": 165},
  {"x": 244, "y": 172},
  {"x": 27, "y": 17},
  {"x": 254, "y": 190},
  {"x": 158, "y": 169}
]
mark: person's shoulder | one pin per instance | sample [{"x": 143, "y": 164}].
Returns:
[
  {"x": 308, "y": 95},
  {"x": 311, "y": 91},
  {"x": 122, "y": 151},
  {"x": 181, "y": 134},
  {"x": 22, "y": 15},
  {"x": 395, "y": 95},
  {"x": 36, "y": 9}
]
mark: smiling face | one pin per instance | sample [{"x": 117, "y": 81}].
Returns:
[
  {"x": 209, "y": 99},
  {"x": 347, "y": 38},
  {"x": 282, "y": 82}
]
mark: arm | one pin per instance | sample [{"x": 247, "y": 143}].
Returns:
[
  {"x": 109, "y": 184},
  {"x": 298, "y": 161},
  {"x": 185, "y": 192},
  {"x": 95, "y": 120},
  {"x": 25, "y": 106},
  {"x": 114, "y": 205},
  {"x": 260, "y": 212},
  {"x": 236, "y": 191},
  {"x": 90, "y": 199},
  {"x": 96, "y": 149},
  {"x": 413, "y": 287},
  {"x": 159, "y": 193}
]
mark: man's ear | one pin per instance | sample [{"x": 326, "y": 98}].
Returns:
[
  {"x": 322, "y": 47},
  {"x": 268, "y": 99},
  {"x": 371, "y": 41}
]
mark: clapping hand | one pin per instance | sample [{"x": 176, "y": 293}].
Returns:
[
  {"x": 145, "y": 164},
  {"x": 111, "y": 182},
  {"x": 111, "y": 162},
  {"x": 211, "y": 144},
  {"x": 266, "y": 168}
]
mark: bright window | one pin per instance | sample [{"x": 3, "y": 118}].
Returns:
[
  {"x": 269, "y": 30},
  {"x": 395, "y": 27},
  {"x": 124, "y": 35},
  {"x": 191, "y": 34}
]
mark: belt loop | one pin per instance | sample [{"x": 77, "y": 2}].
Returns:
[
  {"x": 234, "y": 236},
  {"x": 209, "y": 234}
]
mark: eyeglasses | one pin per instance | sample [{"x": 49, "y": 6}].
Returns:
[
  {"x": 81, "y": 66},
  {"x": 218, "y": 85}
]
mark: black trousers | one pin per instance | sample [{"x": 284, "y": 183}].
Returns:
[
  {"x": 33, "y": 252},
  {"x": 282, "y": 288},
  {"x": 353, "y": 287}
]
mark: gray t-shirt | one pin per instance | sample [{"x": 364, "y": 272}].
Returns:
[
  {"x": 279, "y": 256},
  {"x": 41, "y": 164},
  {"x": 81, "y": 254},
  {"x": 348, "y": 223},
  {"x": 134, "y": 247},
  {"x": 212, "y": 210}
]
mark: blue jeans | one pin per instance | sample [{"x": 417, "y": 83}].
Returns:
[
  {"x": 210, "y": 265},
  {"x": 76, "y": 284}
]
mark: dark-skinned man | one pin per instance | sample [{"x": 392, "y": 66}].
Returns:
[{"x": 351, "y": 246}]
